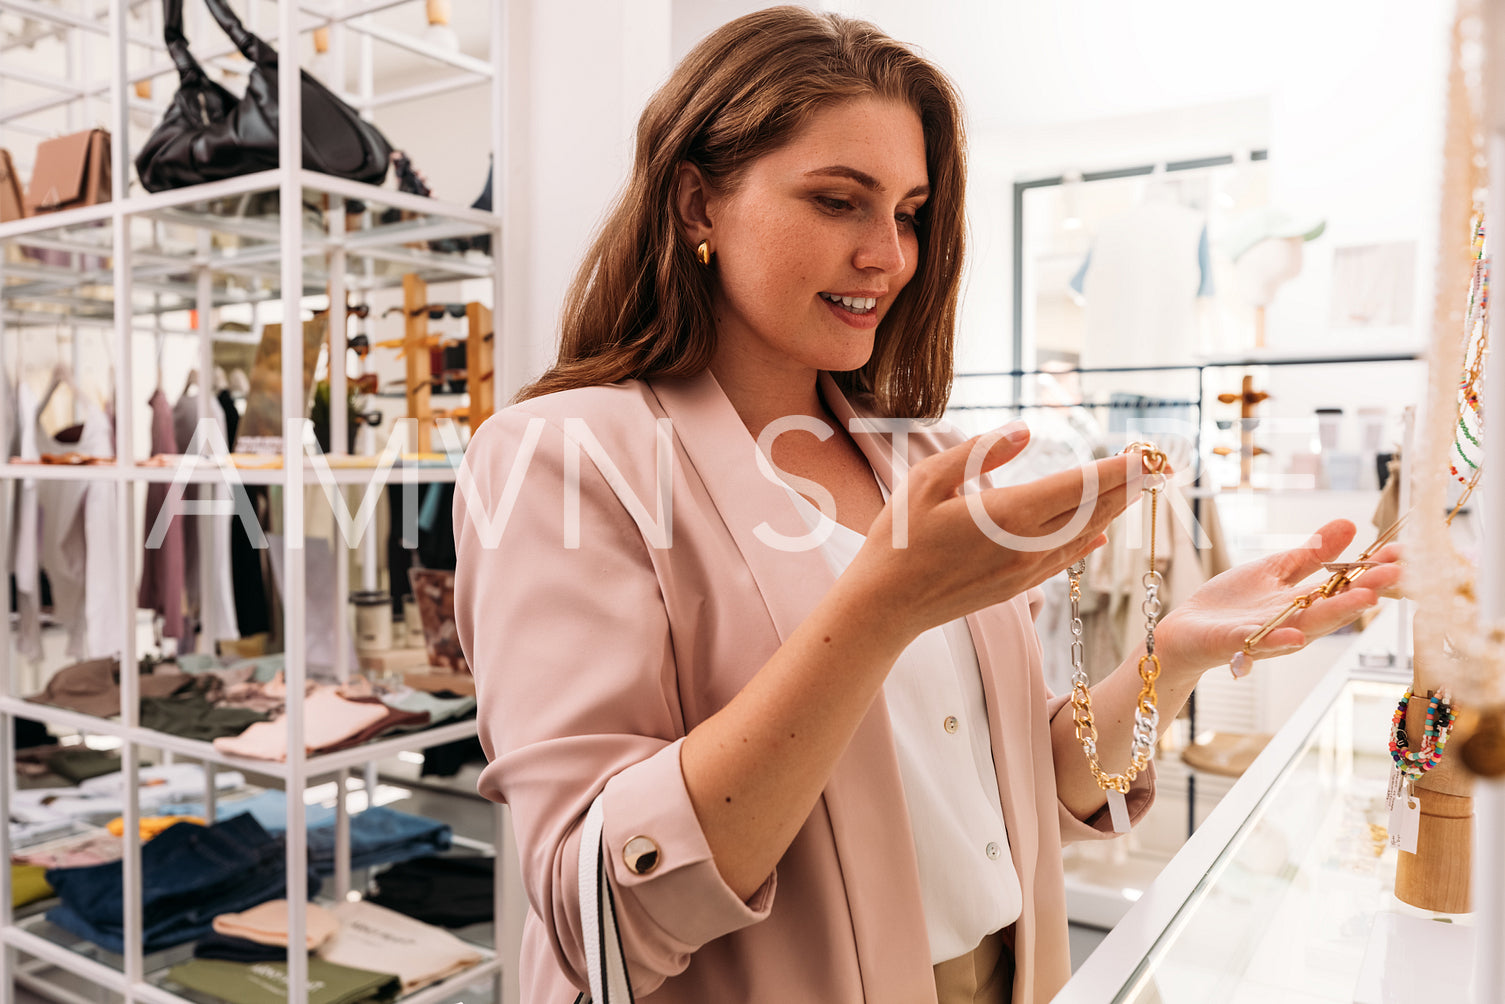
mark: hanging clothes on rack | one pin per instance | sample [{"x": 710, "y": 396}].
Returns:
[
  {"x": 27, "y": 544},
  {"x": 161, "y": 587},
  {"x": 78, "y": 543},
  {"x": 210, "y": 605},
  {"x": 247, "y": 573}
]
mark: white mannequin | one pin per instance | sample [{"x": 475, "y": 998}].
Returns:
[{"x": 1263, "y": 268}]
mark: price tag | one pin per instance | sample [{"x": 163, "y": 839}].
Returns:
[
  {"x": 1405, "y": 821},
  {"x": 1394, "y": 788},
  {"x": 1118, "y": 811}
]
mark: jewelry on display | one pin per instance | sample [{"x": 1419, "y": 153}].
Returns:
[
  {"x": 1344, "y": 573},
  {"x": 1450, "y": 454},
  {"x": 1470, "y": 405},
  {"x": 1146, "y": 715},
  {"x": 703, "y": 253},
  {"x": 1412, "y": 764},
  {"x": 1467, "y": 428}
]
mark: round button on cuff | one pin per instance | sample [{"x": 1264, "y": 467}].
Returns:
[
  {"x": 951, "y": 724},
  {"x": 993, "y": 850},
  {"x": 640, "y": 855}
]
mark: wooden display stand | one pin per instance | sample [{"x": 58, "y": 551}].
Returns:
[
  {"x": 415, "y": 344},
  {"x": 480, "y": 371},
  {"x": 1247, "y": 399},
  {"x": 1437, "y": 876}
]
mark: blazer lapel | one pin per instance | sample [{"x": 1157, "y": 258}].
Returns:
[
  {"x": 873, "y": 841},
  {"x": 717, "y": 445}
]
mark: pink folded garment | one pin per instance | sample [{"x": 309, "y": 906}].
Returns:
[
  {"x": 267, "y": 924},
  {"x": 327, "y": 720},
  {"x": 97, "y": 848}
]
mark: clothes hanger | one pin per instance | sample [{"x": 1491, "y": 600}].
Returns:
[
  {"x": 159, "y": 336},
  {"x": 62, "y": 375}
]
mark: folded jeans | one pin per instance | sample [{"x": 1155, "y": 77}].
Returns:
[{"x": 190, "y": 874}]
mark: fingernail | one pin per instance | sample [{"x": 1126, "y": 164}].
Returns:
[{"x": 1015, "y": 432}]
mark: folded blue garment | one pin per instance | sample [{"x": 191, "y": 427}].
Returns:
[
  {"x": 190, "y": 874},
  {"x": 378, "y": 836}
]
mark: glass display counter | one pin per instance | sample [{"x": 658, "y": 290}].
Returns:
[{"x": 1286, "y": 892}]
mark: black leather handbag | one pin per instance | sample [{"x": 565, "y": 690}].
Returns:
[{"x": 209, "y": 134}]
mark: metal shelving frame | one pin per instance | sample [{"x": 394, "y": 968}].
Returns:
[{"x": 193, "y": 281}]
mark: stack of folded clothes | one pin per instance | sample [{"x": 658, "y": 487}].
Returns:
[
  {"x": 378, "y": 835},
  {"x": 28, "y": 883},
  {"x": 373, "y": 937},
  {"x": 359, "y": 952},
  {"x": 190, "y": 874},
  {"x": 260, "y": 933},
  {"x": 266, "y": 982},
  {"x": 447, "y": 891},
  {"x": 37, "y": 812},
  {"x": 234, "y": 705}
]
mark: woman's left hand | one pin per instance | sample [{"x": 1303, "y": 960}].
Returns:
[{"x": 1210, "y": 625}]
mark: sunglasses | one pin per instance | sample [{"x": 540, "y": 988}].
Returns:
[
  {"x": 361, "y": 310},
  {"x": 434, "y": 310}
]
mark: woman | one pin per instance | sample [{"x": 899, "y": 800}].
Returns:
[{"x": 779, "y": 643}]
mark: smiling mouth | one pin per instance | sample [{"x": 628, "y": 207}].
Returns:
[{"x": 858, "y": 305}]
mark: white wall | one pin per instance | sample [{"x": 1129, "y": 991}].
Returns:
[{"x": 579, "y": 73}]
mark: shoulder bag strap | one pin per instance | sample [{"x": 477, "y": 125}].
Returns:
[
  {"x": 177, "y": 43},
  {"x": 249, "y": 45},
  {"x": 604, "y": 961}
]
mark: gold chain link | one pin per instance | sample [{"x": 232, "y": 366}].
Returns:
[{"x": 1149, "y": 664}]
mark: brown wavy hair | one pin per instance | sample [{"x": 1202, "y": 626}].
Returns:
[{"x": 640, "y": 305}]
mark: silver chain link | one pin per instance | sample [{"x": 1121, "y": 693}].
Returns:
[{"x": 1078, "y": 672}]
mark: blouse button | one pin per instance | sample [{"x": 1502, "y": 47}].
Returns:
[
  {"x": 951, "y": 724},
  {"x": 993, "y": 850},
  {"x": 641, "y": 855}
]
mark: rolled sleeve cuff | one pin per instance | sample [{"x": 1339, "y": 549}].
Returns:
[{"x": 682, "y": 892}]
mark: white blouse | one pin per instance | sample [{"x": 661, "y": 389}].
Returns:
[{"x": 940, "y": 723}]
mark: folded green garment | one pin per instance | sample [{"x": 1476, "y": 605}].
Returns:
[
  {"x": 266, "y": 982},
  {"x": 79, "y": 763},
  {"x": 28, "y": 884}
]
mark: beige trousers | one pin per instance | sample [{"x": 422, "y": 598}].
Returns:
[{"x": 984, "y": 975}]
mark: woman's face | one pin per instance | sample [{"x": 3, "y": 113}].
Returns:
[{"x": 819, "y": 238}]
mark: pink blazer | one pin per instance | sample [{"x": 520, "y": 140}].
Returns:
[{"x": 593, "y": 662}]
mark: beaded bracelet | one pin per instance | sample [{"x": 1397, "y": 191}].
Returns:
[{"x": 1439, "y": 724}]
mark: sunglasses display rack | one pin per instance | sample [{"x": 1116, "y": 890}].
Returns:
[
  {"x": 416, "y": 346},
  {"x": 281, "y": 243}
]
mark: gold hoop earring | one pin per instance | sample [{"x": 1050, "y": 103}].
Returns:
[{"x": 703, "y": 253}]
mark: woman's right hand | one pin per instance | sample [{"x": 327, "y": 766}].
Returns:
[
  {"x": 935, "y": 554},
  {"x": 754, "y": 769}
]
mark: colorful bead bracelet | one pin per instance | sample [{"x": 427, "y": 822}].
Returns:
[{"x": 1439, "y": 724}]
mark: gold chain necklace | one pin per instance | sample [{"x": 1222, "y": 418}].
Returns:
[{"x": 1146, "y": 715}]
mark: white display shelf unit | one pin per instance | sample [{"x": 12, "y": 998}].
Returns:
[{"x": 142, "y": 259}]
